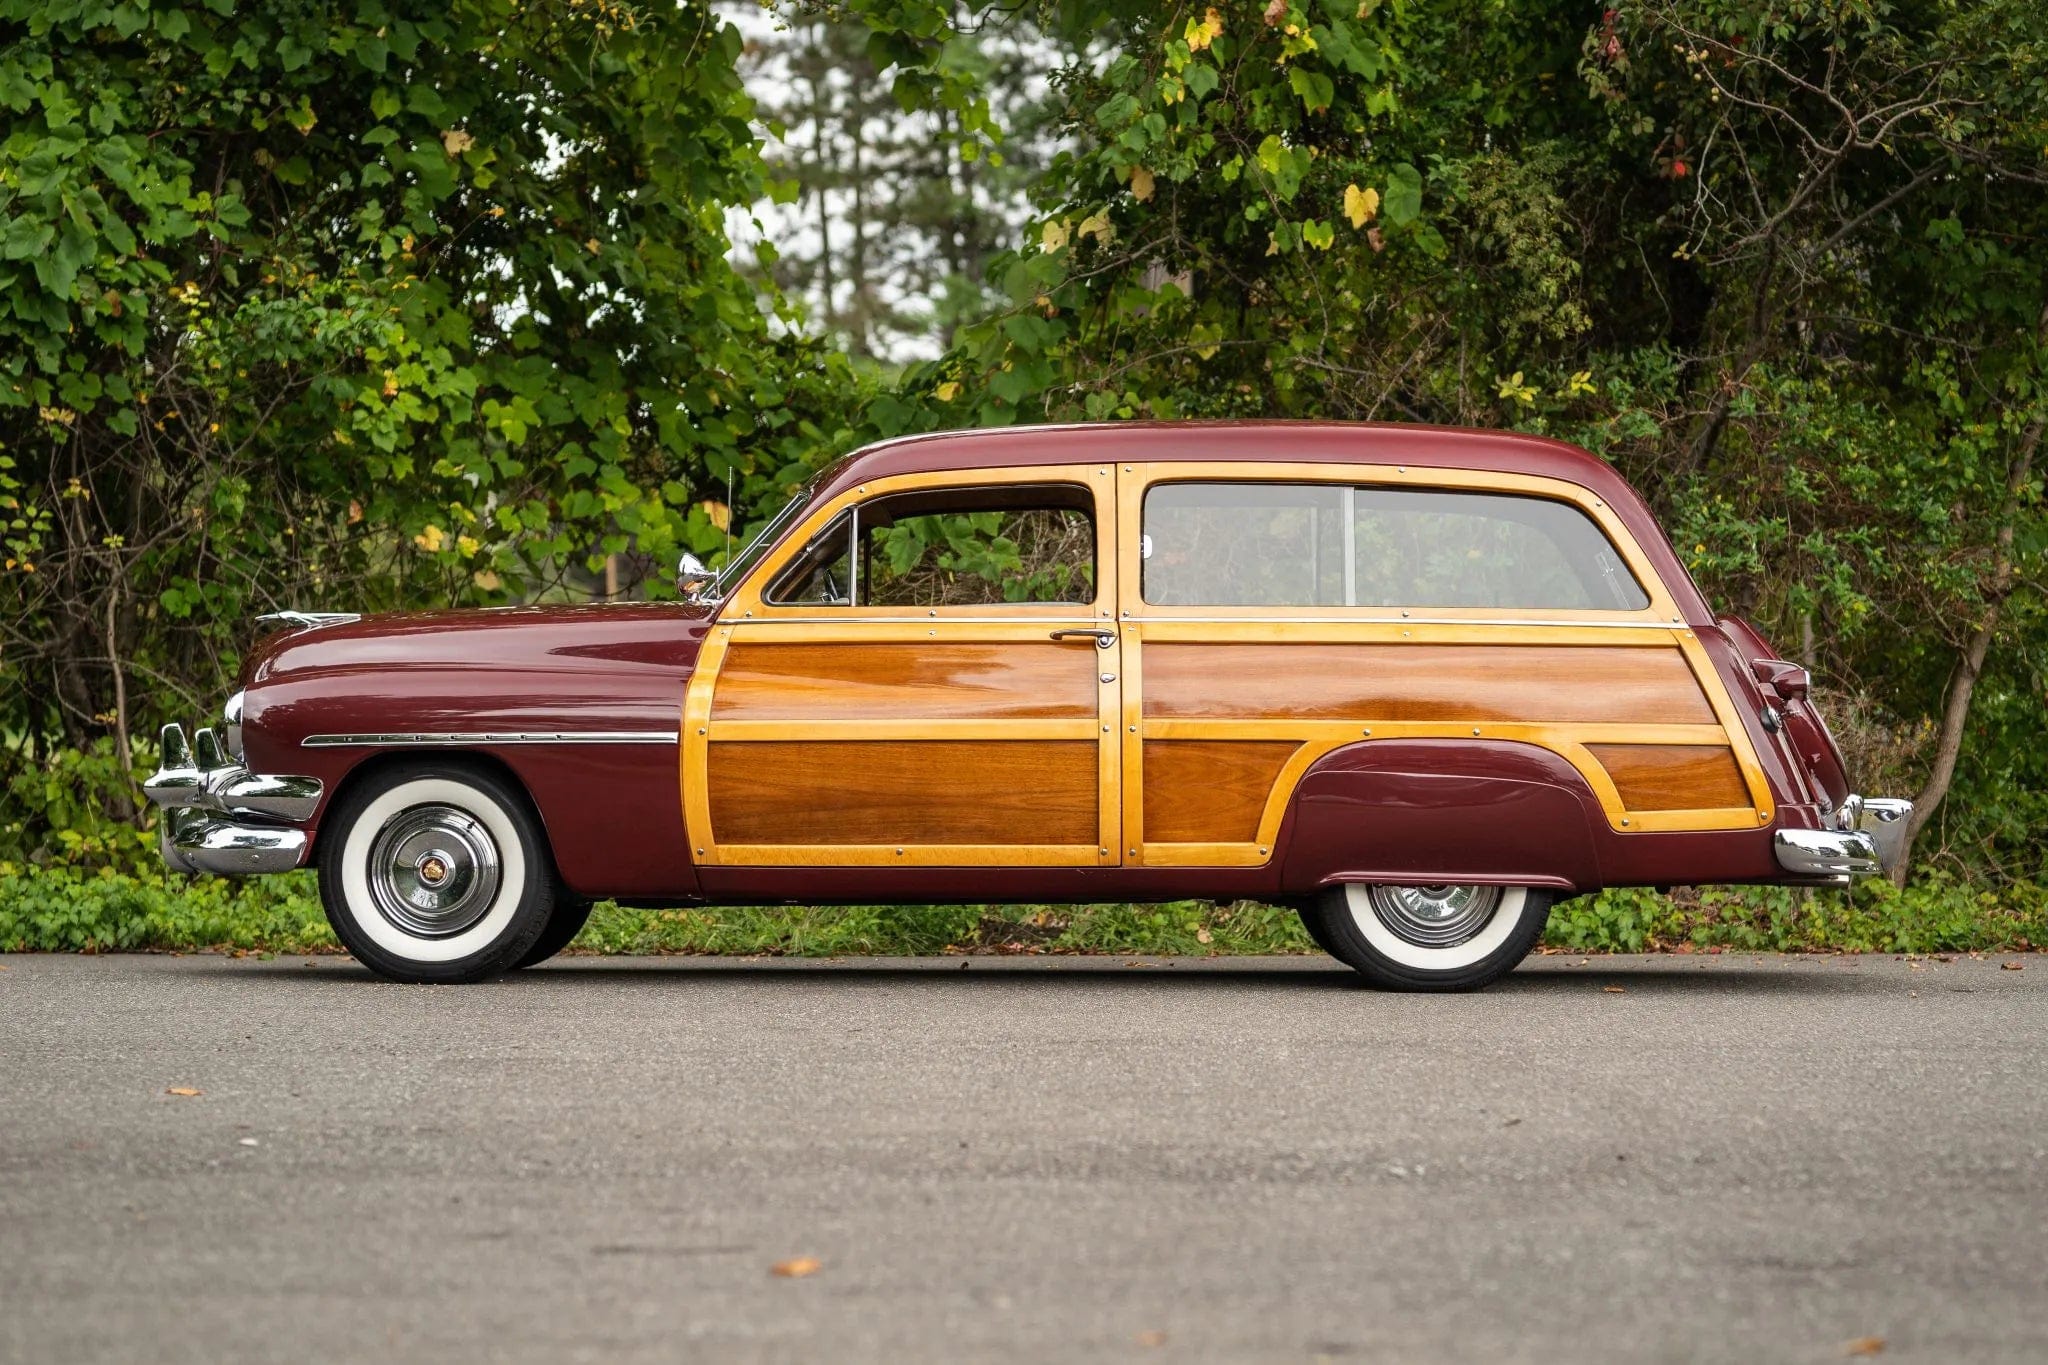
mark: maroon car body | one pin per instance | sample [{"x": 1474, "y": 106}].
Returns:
[{"x": 586, "y": 709}]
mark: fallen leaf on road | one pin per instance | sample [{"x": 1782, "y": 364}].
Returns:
[
  {"x": 185, "y": 1090},
  {"x": 1155, "y": 1337},
  {"x": 248, "y": 1142},
  {"x": 1615, "y": 990},
  {"x": 797, "y": 1267},
  {"x": 1863, "y": 1346},
  {"x": 2014, "y": 966}
]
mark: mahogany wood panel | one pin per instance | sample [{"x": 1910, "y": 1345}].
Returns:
[
  {"x": 1673, "y": 776},
  {"x": 1526, "y": 683},
  {"x": 899, "y": 679},
  {"x": 925, "y": 792},
  {"x": 1209, "y": 791}
]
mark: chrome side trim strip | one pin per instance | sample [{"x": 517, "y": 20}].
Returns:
[
  {"x": 774, "y": 617},
  {"x": 445, "y": 738}
]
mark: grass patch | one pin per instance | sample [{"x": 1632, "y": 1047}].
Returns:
[{"x": 67, "y": 909}]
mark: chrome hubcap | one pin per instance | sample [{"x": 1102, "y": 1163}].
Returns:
[
  {"x": 433, "y": 871},
  {"x": 1435, "y": 916}
]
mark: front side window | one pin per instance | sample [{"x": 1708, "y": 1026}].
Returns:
[
  {"x": 981, "y": 546},
  {"x": 1323, "y": 545}
]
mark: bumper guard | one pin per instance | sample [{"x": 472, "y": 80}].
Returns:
[
  {"x": 219, "y": 817},
  {"x": 1868, "y": 837}
]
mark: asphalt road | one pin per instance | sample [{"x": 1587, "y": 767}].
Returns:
[{"x": 1635, "y": 1159}]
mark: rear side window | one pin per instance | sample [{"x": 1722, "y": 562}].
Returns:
[{"x": 1330, "y": 545}]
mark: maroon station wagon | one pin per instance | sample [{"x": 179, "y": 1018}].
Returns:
[{"x": 1418, "y": 683}]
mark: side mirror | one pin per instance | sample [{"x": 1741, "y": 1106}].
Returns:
[{"x": 692, "y": 577}]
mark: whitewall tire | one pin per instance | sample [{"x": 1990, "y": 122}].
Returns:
[
  {"x": 436, "y": 872},
  {"x": 1430, "y": 938}
]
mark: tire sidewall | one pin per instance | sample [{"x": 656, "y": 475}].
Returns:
[
  {"x": 518, "y": 915},
  {"x": 1355, "y": 937}
]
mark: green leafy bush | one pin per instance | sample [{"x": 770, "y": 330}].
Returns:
[{"x": 69, "y": 909}]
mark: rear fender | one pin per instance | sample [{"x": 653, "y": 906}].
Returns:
[{"x": 1440, "y": 810}]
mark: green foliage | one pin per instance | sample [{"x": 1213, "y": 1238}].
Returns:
[
  {"x": 405, "y": 305},
  {"x": 68, "y": 909}
]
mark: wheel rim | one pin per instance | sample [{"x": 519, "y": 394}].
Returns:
[
  {"x": 1435, "y": 916},
  {"x": 434, "y": 871}
]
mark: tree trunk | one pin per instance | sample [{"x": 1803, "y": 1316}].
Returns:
[{"x": 1970, "y": 665}]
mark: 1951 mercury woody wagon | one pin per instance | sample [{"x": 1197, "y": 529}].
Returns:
[{"x": 1419, "y": 683}]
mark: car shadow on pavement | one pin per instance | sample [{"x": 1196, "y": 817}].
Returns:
[{"x": 1542, "y": 976}]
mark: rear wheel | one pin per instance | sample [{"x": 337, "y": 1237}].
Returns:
[
  {"x": 1429, "y": 938},
  {"x": 436, "y": 872}
]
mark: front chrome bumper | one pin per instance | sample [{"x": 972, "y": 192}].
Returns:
[
  {"x": 219, "y": 817},
  {"x": 1868, "y": 837}
]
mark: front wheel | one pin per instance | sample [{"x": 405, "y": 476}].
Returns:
[
  {"x": 1430, "y": 938},
  {"x": 433, "y": 872}
]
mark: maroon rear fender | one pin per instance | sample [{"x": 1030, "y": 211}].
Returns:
[{"x": 1440, "y": 810}]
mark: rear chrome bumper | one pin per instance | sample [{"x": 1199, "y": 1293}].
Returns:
[
  {"x": 219, "y": 817},
  {"x": 1868, "y": 837}
]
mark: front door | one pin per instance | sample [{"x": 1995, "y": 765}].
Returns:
[{"x": 925, "y": 674}]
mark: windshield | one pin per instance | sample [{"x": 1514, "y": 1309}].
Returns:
[{"x": 740, "y": 565}]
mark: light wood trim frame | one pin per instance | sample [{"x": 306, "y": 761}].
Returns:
[
  {"x": 1658, "y": 625},
  {"x": 747, "y": 618}
]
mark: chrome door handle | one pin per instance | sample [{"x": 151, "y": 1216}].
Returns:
[{"x": 1103, "y": 638}]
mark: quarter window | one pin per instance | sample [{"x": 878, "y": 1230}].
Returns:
[
  {"x": 1324, "y": 545},
  {"x": 992, "y": 545}
]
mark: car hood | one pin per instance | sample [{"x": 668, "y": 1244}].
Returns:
[{"x": 633, "y": 637}]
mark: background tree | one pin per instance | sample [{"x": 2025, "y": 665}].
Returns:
[{"x": 390, "y": 305}]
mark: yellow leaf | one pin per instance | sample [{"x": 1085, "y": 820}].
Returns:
[
  {"x": 1141, "y": 183},
  {"x": 1361, "y": 206},
  {"x": 390, "y": 384},
  {"x": 468, "y": 545},
  {"x": 457, "y": 142},
  {"x": 431, "y": 539},
  {"x": 947, "y": 391},
  {"x": 591, "y": 246},
  {"x": 720, "y": 514},
  {"x": 797, "y": 1267},
  {"x": 184, "y": 1090},
  {"x": 1054, "y": 235},
  {"x": 1096, "y": 225},
  {"x": 486, "y": 580},
  {"x": 1204, "y": 31}
]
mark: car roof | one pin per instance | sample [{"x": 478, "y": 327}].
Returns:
[{"x": 1381, "y": 443}]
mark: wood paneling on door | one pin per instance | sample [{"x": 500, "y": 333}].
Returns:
[
  {"x": 927, "y": 792},
  {"x": 1455, "y": 683},
  {"x": 1209, "y": 792},
  {"x": 1673, "y": 777},
  {"x": 890, "y": 680}
]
